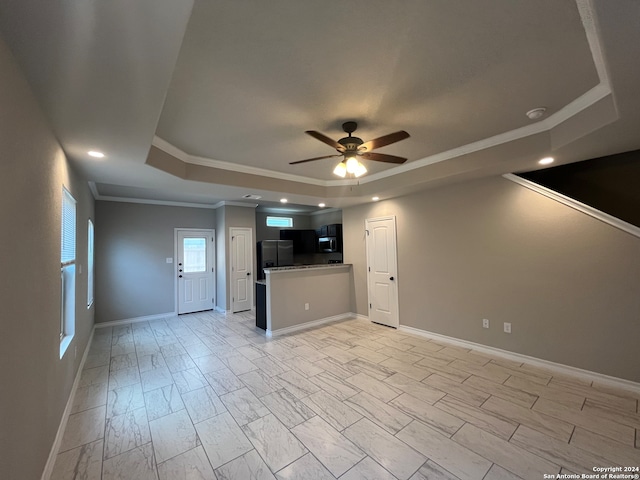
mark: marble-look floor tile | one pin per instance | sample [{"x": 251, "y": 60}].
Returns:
[
  {"x": 446, "y": 371},
  {"x": 450, "y": 455},
  {"x": 177, "y": 363},
  {"x": 97, "y": 359},
  {"x": 150, "y": 361},
  {"x": 191, "y": 465},
  {"x": 123, "y": 349},
  {"x": 496, "y": 472},
  {"x": 509, "y": 456},
  {"x": 338, "y": 354},
  {"x": 538, "y": 421},
  {"x": 238, "y": 363},
  {"x": 415, "y": 388},
  {"x": 272, "y": 366},
  {"x": 297, "y": 384},
  {"x": 511, "y": 394},
  {"x": 374, "y": 356},
  {"x": 600, "y": 410},
  {"x": 341, "y": 370},
  {"x": 155, "y": 378},
  {"x": 94, "y": 376},
  {"x": 138, "y": 463},
  {"x": 224, "y": 381},
  {"x": 394, "y": 455},
  {"x": 259, "y": 383},
  {"x": 244, "y": 406},
  {"x": 556, "y": 451},
  {"x": 172, "y": 349},
  {"x": 489, "y": 371},
  {"x": 388, "y": 417},
  {"x": 125, "y": 432},
  {"x": 222, "y": 439},
  {"x": 617, "y": 453},
  {"x": 163, "y": 401},
  {"x": 336, "y": 452},
  {"x": 303, "y": 367},
  {"x": 433, "y": 471},
  {"x": 333, "y": 385},
  {"x": 209, "y": 363},
  {"x": 382, "y": 391},
  {"x": 465, "y": 393},
  {"x": 368, "y": 469},
  {"x": 124, "y": 399},
  {"x": 203, "y": 404},
  {"x": 172, "y": 435},
  {"x": 403, "y": 356},
  {"x": 483, "y": 419},
  {"x": 274, "y": 442},
  {"x": 83, "y": 427},
  {"x": 309, "y": 353},
  {"x": 616, "y": 431},
  {"x": 287, "y": 408},
  {"x": 127, "y": 360},
  {"x": 187, "y": 380},
  {"x": 305, "y": 467},
  {"x": 416, "y": 372},
  {"x": 563, "y": 397},
  {"x": 251, "y": 352},
  {"x": 442, "y": 421},
  {"x": 88, "y": 397},
  {"x": 375, "y": 370},
  {"x": 124, "y": 377},
  {"x": 81, "y": 463},
  {"x": 248, "y": 466},
  {"x": 338, "y": 414},
  {"x": 198, "y": 350}
]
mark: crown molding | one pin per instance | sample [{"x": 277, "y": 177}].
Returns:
[
  {"x": 595, "y": 94},
  {"x": 227, "y": 203},
  {"x": 106, "y": 198}
]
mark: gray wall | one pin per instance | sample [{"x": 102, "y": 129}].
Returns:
[
  {"x": 133, "y": 242},
  {"x": 221, "y": 260},
  {"x": 35, "y": 382},
  {"x": 325, "y": 218},
  {"x": 568, "y": 283}
]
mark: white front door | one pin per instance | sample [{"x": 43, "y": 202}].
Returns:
[
  {"x": 194, "y": 269},
  {"x": 382, "y": 274},
  {"x": 241, "y": 269}
]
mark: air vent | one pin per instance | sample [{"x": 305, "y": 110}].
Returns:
[{"x": 251, "y": 196}]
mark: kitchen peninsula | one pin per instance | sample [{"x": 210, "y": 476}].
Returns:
[{"x": 301, "y": 296}]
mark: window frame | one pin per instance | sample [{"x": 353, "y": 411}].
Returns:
[
  {"x": 68, "y": 258},
  {"x": 90, "y": 263},
  {"x": 276, "y": 222}
]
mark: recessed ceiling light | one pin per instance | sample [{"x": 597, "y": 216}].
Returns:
[
  {"x": 321, "y": 205},
  {"x": 546, "y": 161},
  {"x": 95, "y": 154},
  {"x": 375, "y": 199},
  {"x": 283, "y": 200}
]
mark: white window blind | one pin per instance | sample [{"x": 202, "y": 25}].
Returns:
[
  {"x": 90, "y": 256},
  {"x": 282, "y": 222},
  {"x": 68, "y": 250}
]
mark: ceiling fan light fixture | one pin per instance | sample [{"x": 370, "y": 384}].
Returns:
[
  {"x": 352, "y": 165},
  {"x": 340, "y": 170},
  {"x": 360, "y": 170}
]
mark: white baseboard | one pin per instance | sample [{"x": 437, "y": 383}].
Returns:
[
  {"x": 312, "y": 323},
  {"x": 53, "y": 454},
  {"x": 125, "y": 321},
  {"x": 538, "y": 362}
]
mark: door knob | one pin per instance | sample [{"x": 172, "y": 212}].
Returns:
[
  {"x": 180, "y": 270},
  {"x": 248, "y": 273},
  {"x": 390, "y": 278}
]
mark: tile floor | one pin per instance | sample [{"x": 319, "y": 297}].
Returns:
[{"x": 204, "y": 396}]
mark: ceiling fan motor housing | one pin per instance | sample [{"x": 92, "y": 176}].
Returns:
[{"x": 350, "y": 143}]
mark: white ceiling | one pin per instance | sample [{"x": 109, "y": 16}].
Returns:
[{"x": 224, "y": 90}]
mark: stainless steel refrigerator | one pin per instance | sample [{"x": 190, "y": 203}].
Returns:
[{"x": 274, "y": 253}]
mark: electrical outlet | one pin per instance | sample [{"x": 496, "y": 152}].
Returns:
[
  {"x": 306, "y": 306},
  {"x": 507, "y": 327},
  {"x": 485, "y": 323}
]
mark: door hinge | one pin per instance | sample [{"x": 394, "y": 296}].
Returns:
[
  {"x": 212, "y": 269},
  {"x": 369, "y": 268},
  {"x": 370, "y": 306}
]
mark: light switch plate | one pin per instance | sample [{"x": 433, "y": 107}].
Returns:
[{"x": 169, "y": 260}]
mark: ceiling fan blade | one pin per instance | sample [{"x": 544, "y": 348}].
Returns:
[
  {"x": 384, "y": 140},
  {"x": 324, "y": 139},
  {"x": 313, "y": 159},
  {"x": 383, "y": 157}
]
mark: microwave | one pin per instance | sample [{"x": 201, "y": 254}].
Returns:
[{"x": 328, "y": 245}]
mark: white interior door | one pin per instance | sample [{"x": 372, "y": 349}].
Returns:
[
  {"x": 241, "y": 269},
  {"x": 382, "y": 270},
  {"x": 195, "y": 270}
]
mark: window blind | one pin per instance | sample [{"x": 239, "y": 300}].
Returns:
[{"x": 68, "y": 243}]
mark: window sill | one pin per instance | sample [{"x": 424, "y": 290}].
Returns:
[{"x": 64, "y": 344}]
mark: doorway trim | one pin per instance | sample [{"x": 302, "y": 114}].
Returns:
[{"x": 204, "y": 231}]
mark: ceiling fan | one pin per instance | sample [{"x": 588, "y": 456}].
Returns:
[{"x": 350, "y": 148}]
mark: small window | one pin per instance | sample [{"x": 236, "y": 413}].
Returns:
[
  {"x": 67, "y": 271},
  {"x": 281, "y": 222},
  {"x": 90, "y": 259}
]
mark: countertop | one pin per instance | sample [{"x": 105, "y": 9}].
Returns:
[{"x": 306, "y": 267}]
